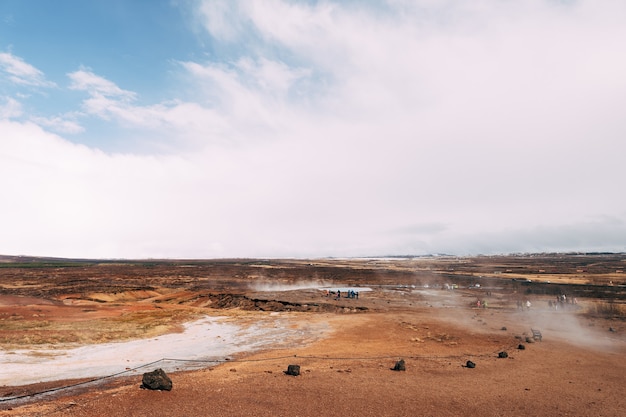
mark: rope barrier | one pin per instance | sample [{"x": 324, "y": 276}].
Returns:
[
  {"x": 227, "y": 360},
  {"x": 78, "y": 384}
]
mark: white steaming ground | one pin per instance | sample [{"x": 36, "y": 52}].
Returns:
[
  {"x": 567, "y": 326},
  {"x": 278, "y": 287},
  {"x": 304, "y": 285},
  {"x": 210, "y": 338}
]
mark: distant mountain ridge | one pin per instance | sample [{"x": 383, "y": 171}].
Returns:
[{"x": 26, "y": 259}]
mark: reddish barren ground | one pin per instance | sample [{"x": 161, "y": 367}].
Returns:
[{"x": 576, "y": 370}]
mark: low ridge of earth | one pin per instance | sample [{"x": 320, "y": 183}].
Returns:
[{"x": 436, "y": 314}]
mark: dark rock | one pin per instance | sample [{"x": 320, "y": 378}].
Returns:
[
  {"x": 293, "y": 370},
  {"x": 399, "y": 366},
  {"x": 470, "y": 364},
  {"x": 156, "y": 380},
  {"x": 503, "y": 328},
  {"x": 521, "y": 347},
  {"x": 611, "y": 329},
  {"x": 503, "y": 355}
]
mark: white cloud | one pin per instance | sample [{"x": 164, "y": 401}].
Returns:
[
  {"x": 220, "y": 18},
  {"x": 59, "y": 124},
  {"x": 241, "y": 101},
  {"x": 183, "y": 124},
  {"x": 252, "y": 96},
  {"x": 20, "y": 72},
  {"x": 473, "y": 115},
  {"x": 11, "y": 109},
  {"x": 412, "y": 127},
  {"x": 69, "y": 199},
  {"x": 97, "y": 86}
]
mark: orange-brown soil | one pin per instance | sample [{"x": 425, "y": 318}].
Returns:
[{"x": 576, "y": 370}]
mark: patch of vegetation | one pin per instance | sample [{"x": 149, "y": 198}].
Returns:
[
  {"x": 607, "y": 309},
  {"x": 41, "y": 265},
  {"x": 18, "y": 332}
]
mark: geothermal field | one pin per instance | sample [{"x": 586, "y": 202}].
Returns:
[{"x": 525, "y": 335}]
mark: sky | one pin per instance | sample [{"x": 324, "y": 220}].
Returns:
[{"x": 283, "y": 128}]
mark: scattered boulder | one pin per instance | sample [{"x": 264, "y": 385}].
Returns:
[
  {"x": 503, "y": 355},
  {"x": 521, "y": 347},
  {"x": 611, "y": 329},
  {"x": 156, "y": 380},
  {"x": 470, "y": 364},
  {"x": 399, "y": 366},
  {"x": 503, "y": 328},
  {"x": 293, "y": 370},
  {"x": 530, "y": 339}
]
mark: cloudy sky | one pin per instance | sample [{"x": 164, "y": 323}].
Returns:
[{"x": 282, "y": 128}]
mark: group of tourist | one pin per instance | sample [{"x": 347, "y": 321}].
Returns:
[
  {"x": 349, "y": 294},
  {"x": 481, "y": 303},
  {"x": 562, "y": 301}
]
